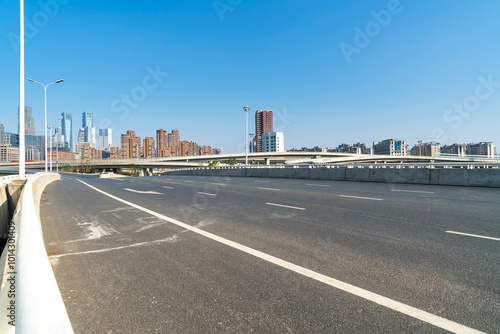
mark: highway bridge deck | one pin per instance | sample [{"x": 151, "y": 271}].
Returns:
[{"x": 185, "y": 254}]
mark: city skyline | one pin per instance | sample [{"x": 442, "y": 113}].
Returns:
[{"x": 328, "y": 84}]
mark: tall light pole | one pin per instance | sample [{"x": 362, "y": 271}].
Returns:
[
  {"x": 50, "y": 128},
  {"x": 420, "y": 147},
  {"x": 246, "y": 109},
  {"x": 45, "y": 94},
  {"x": 22, "y": 152},
  {"x": 57, "y": 145}
]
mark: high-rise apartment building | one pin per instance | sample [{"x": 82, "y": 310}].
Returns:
[
  {"x": 130, "y": 145},
  {"x": 29, "y": 121},
  {"x": 263, "y": 124},
  {"x": 67, "y": 128},
  {"x": 393, "y": 147},
  {"x": 105, "y": 139},
  {"x": 426, "y": 149},
  {"x": 454, "y": 149},
  {"x": 162, "y": 144},
  {"x": 149, "y": 147},
  {"x": 174, "y": 141},
  {"x": 482, "y": 148}
]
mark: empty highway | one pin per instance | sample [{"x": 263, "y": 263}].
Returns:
[{"x": 185, "y": 254}]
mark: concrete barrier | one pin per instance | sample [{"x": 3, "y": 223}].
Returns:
[
  {"x": 38, "y": 305},
  {"x": 476, "y": 177}
]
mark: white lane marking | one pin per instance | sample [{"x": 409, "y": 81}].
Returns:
[
  {"x": 113, "y": 178},
  {"x": 414, "y": 191},
  {"x": 286, "y": 206},
  {"x": 317, "y": 185},
  {"x": 208, "y": 194},
  {"x": 370, "y": 198},
  {"x": 365, "y": 294},
  {"x": 142, "y": 192},
  {"x": 220, "y": 184},
  {"x": 168, "y": 187},
  {"x": 474, "y": 235},
  {"x": 188, "y": 181},
  {"x": 269, "y": 189},
  {"x": 262, "y": 181}
]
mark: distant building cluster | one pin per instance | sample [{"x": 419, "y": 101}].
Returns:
[
  {"x": 396, "y": 147},
  {"x": 93, "y": 143},
  {"x": 167, "y": 145}
]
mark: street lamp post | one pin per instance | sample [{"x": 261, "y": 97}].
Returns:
[
  {"x": 246, "y": 109},
  {"x": 57, "y": 146},
  {"x": 50, "y": 143},
  {"x": 22, "y": 146},
  {"x": 45, "y": 94}
]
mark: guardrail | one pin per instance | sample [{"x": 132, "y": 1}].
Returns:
[
  {"x": 427, "y": 165},
  {"x": 31, "y": 297}
]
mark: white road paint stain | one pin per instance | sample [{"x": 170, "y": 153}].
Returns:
[
  {"x": 143, "y": 192},
  {"x": 286, "y": 206},
  {"x": 139, "y": 244},
  {"x": 359, "y": 197},
  {"x": 473, "y": 235}
]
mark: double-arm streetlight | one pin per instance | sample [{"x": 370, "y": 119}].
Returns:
[
  {"x": 246, "y": 109},
  {"x": 45, "y": 94}
]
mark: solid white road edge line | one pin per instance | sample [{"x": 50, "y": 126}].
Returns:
[
  {"x": 370, "y": 198},
  {"x": 473, "y": 235},
  {"x": 411, "y": 311},
  {"x": 269, "y": 189},
  {"x": 317, "y": 185}
]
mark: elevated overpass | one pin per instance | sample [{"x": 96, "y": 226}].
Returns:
[{"x": 267, "y": 158}]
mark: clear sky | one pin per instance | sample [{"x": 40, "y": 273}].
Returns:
[{"x": 332, "y": 71}]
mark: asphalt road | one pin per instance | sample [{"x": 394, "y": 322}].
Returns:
[{"x": 128, "y": 260}]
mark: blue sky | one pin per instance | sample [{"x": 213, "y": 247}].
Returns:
[{"x": 418, "y": 69}]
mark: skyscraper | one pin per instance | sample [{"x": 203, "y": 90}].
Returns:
[
  {"x": 67, "y": 129},
  {"x": 105, "y": 139},
  {"x": 87, "y": 119},
  {"x": 263, "y": 124},
  {"x": 29, "y": 121},
  {"x": 2, "y": 133}
]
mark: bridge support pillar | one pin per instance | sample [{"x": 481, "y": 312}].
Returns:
[
  {"x": 146, "y": 172},
  {"x": 268, "y": 161}
]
